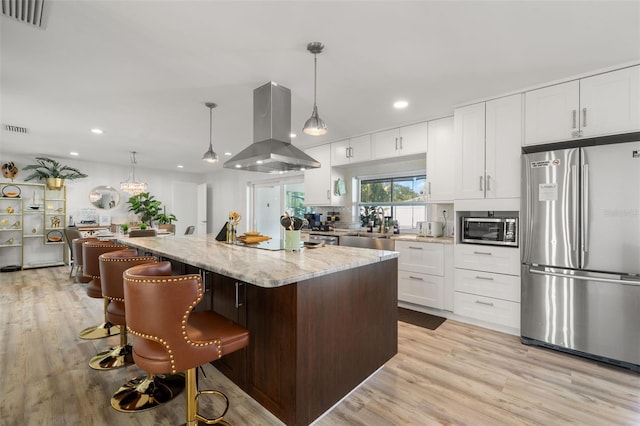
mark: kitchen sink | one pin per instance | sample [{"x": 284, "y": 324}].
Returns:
[{"x": 378, "y": 242}]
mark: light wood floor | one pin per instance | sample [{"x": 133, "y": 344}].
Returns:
[{"x": 456, "y": 375}]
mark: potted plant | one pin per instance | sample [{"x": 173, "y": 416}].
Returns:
[
  {"x": 145, "y": 206},
  {"x": 52, "y": 172},
  {"x": 164, "y": 220}
]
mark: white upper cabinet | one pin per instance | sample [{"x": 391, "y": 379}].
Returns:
[
  {"x": 405, "y": 140},
  {"x": 318, "y": 183},
  {"x": 469, "y": 126},
  {"x": 604, "y": 104},
  {"x": 440, "y": 156},
  {"x": 610, "y": 102},
  {"x": 488, "y": 137},
  {"x": 551, "y": 113},
  {"x": 348, "y": 151},
  {"x": 502, "y": 147}
]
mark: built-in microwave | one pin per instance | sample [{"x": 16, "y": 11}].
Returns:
[{"x": 501, "y": 231}]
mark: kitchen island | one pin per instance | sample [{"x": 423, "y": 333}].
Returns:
[{"x": 320, "y": 320}]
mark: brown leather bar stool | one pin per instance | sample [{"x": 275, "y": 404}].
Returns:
[
  {"x": 112, "y": 265},
  {"x": 91, "y": 250},
  {"x": 170, "y": 336},
  {"x": 76, "y": 248}
]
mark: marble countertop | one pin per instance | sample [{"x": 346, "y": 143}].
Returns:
[{"x": 264, "y": 268}]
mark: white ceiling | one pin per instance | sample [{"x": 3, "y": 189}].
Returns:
[{"x": 142, "y": 70}]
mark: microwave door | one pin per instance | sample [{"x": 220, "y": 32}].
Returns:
[{"x": 550, "y": 208}]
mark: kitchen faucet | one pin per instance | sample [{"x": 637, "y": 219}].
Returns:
[{"x": 380, "y": 214}]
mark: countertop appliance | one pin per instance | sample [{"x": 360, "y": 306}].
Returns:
[
  {"x": 501, "y": 231},
  {"x": 581, "y": 251}
]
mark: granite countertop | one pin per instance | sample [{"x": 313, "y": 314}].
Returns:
[
  {"x": 264, "y": 268},
  {"x": 399, "y": 237}
]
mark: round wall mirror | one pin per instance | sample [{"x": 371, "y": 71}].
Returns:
[{"x": 104, "y": 197}]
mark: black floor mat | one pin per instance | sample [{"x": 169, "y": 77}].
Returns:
[{"x": 420, "y": 319}]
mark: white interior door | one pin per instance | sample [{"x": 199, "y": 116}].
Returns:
[
  {"x": 201, "y": 228},
  {"x": 185, "y": 196}
]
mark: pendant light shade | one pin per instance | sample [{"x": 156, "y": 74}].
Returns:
[
  {"x": 315, "y": 126},
  {"x": 131, "y": 185},
  {"x": 210, "y": 156}
]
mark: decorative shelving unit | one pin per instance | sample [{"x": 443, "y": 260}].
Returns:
[{"x": 32, "y": 227}]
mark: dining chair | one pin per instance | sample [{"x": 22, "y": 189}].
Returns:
[{"x": 190, "y": 229}]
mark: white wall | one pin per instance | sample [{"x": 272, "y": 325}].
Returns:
[{"x": 160, "y": 182}]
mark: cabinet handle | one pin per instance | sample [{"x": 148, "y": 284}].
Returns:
[
  {"x": 574, "y": 117},
  {"x": 480, "y": 302},
  {"x": 488, "y": 182},
  {"x": 346, "y": 153},
  {"x": 396, "y": 144},
  {"x": 239, "y": 302},
  {"x": 584, "y": 117},
  {"x": 328, "y": 194},
  {"x": 401, "y": 143},
  {"x": 350, "y": 152},
  {"x": 481, "y": 186},
  {"x": 485, "y": 253},
  {"x": 416, "y": 278},
  {"x": 415, "y": 248},
  {"x": 429, "y": 188},
  {"x": 478, "y": 277}
]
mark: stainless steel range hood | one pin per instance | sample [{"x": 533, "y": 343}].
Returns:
[{"x": 271, "y": 150}]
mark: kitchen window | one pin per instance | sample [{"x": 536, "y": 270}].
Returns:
[{"x": 401, "y": 198}]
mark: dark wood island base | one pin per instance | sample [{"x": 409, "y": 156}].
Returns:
[{"x": 314, "y": 341}]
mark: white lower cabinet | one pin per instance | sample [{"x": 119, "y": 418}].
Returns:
[
  {"x": 487, "y": 309},
  {"x": 487, "y": 284},
  {"x": 421, "y": 273}
]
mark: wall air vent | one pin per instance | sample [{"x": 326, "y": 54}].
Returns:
[
  {"x": 15, "y": 129},
  {"x": 27, "y": 11}
]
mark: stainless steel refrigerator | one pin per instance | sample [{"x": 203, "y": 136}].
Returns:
[{"x": 580, "y": 223}]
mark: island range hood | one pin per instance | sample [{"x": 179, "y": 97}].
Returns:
[{"x": 271, "y": 150}]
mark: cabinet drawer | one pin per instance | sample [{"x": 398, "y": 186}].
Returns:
[
  {"x": 421, "y": 289},
  {"x": 500, "y": 286},
  {"x": 426, "y": 258},
  {"x": 503, "y": 260},
  {"x": 487, "y": 309}
]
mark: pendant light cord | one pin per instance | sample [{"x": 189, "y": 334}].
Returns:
[
  {"x": 210, "y": 128},
  {"x": 315, "y": 78}
]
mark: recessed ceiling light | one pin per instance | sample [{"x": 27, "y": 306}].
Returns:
[
  {"x": 259, "y": 162},
  {"x": 180, "y": 166},
  {"x": 400, "y": 104},
  {"x": 97, "y": 131},
  {"x": 227, "y": 154},
  {"x": 292, "y": 135},
  {"x": 74, "y": 153},
  {"x": 238, "y": 166}
]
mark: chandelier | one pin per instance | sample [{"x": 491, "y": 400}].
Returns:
[{"x": 131, "y": 185}]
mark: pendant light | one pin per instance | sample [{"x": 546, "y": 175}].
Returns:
[
  {"x": 210, "y": 156},
  {"x": 315, "y": 126},
  {"x": 131, "y": 185}
]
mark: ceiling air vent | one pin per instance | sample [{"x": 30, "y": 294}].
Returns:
[
  {"x": 27, "y": 11},
  {"x": 15, "y": 129}
]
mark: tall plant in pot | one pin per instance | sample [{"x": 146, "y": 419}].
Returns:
[
  {"x": 145, "y": 206},
  {"x": 52, "y": 172}
]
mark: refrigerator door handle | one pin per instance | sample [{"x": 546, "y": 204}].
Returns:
[
  {"x": 584, "y": 278},
  {"x": 574, "y": 202},
  {"x": 585, "y": 209}
]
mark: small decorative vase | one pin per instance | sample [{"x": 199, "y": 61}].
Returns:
[{"x": 231, "y": 233}]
